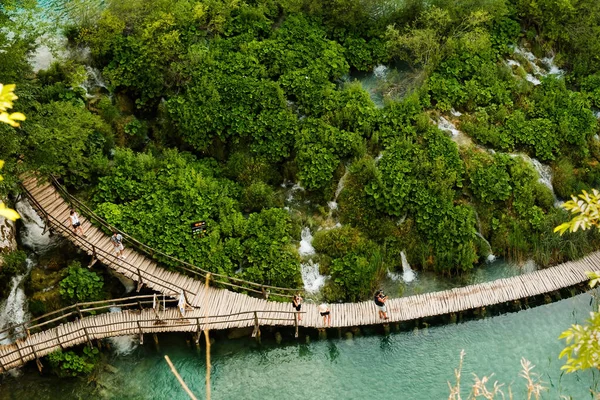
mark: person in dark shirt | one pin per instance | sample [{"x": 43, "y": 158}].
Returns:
[
  {"x": 297, "y": 304},
  {"x": 380, "y": 300}
]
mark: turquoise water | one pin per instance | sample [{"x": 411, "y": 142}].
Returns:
[{"x": 403, "y": 365}]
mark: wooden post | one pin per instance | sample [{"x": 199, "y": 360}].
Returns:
[
  {"x": 88, "y": 337},
  {"x": 141, "y": 332},
  {"x": 265, "y": 293},
  {"x": 296, "y": 323},
  {"x": 256, "y": 331},
  {"x": 78, "y": 311},
  {"x": 156, "y": 341},
  {"x": 198, "y": 331},
  {"x": 58, "y": 339},
  {"x": 140, "y": 305},
  {"x": 140, "y": 282},
  {"x": 37, "y": 359}
]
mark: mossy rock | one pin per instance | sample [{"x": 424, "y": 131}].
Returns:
[
  {"x": 42, "y": 279},
  {"x": 44, "y": 302}
]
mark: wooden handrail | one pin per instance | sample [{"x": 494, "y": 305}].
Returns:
[
  {"x": 76, "y": 309},
  {"x": 90, "y": 214},
  {"x": 137, "y": 325}
]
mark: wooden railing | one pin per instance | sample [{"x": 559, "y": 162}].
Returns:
[
  {"x": 200, "y": 273},
  {"x": 30, "y": 348},
  {"x": 90, "y": 248},
  {"x": 81, "y": 310}
]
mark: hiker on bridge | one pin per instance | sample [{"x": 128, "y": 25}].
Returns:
[
  {"x": 325, "y": 313},
  {"x": 297, "y": 304},
  {"x": 76, "y": 224},
  {"x": 380, "y": 300},
  {"x": 117, "y": 241}
]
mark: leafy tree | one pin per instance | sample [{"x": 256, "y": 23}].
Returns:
[
  {"x": 66, "y": 139},
  {"x": 71, "y": 364},
  {"x": 81, "y": 285}
]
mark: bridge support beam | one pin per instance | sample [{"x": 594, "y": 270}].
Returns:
[
  {"x": 256, "y": 331},
  {"x": 141, "y": 332},
  {"x": 156, "y": 341}
]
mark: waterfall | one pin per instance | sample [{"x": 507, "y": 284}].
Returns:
[
  {"x": 456, "y": 135},
  {"x": 312, "y": 278},
  {"x": 306, "y": 248},
  {"x": 333, "y": 205},
  {"x": 544, "y": 172},
  {"x": 32, "y": 234},
  {"x": 122, "y": 345},
  {"x": 408, "y": 275},
  {"x": 394, "y": 276},
  {"x": 547, "y": 62},
  {"x": 292, "y": 192},
  {"x": 13, "y": 310},
  {"x": 490, "y": 257},
  {"x": 94, "y": 82},
  {"x": 380, "y": 71}
]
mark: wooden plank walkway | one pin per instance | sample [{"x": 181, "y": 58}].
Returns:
[{"x": 222, "y": 302}]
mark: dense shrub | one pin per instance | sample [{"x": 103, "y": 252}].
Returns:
[{"x": 80, "y": 284}]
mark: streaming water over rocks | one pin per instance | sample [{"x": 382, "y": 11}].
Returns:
[
  {"x": 313, "y": 280},
  {"x": 32, "y": 234},
  {"x": 14, "y": 309},
  {"x": 408, "y": 275},
  {"x": 545, "y": 174},
  {"x": 539, "y": 68},
  {"x": 460, "y": 138}
]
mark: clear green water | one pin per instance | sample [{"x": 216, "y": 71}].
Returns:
[
  {"x": 428, "y": 281},
  {"x": 405, "y": 365}
]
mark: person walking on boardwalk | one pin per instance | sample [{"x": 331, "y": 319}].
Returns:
[
  {"x": 297, "y": 304},
  {"x": 325, "y": 313},
  {"x": 117, "y": 241},
  {"x": 380, "y": 300},
  {"x": 76, "y": 224}
]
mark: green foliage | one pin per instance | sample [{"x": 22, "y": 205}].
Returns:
[
  {"x": 352, "y": 261},
  {"x": 155, "y": 198},
  {"x": 65, "y": 139},
  {"x": 80, "y": 284},
  {"x": 489, "y": 177},
  {"x": 71, "y": 364}
]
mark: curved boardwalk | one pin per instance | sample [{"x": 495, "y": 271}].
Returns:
[{"x": 220, "y": 302}]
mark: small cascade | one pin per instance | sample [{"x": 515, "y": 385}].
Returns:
[
  {"x": 548, "y": 67},
  {"x": 122, "y": 345},
  {"x": 306, "y": 248},
  {"x": 333, "y": 205},
  {"x": 13, "y": 310},
  {"x": 312, "y": 278},
  {"x": 490, "y": 257},
  {"x": 408, "y": 275},
  {"x": 380, "y": 71},
  {"x": 544, "y": 172},
  {"x": 456, "y": 135},
  {"x": 292, "y": 192},
  {"x": 32, "y": 235},
  {"x": 94, "y": 82},
  {"x": 394, "y": 276}
]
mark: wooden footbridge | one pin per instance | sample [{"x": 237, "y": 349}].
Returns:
[{"x": 219, "y": 308}]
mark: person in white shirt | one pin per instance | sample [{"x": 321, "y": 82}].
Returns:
[
  {"x": 117, "y": 241},
  {"x": 76, "y": 224}
]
